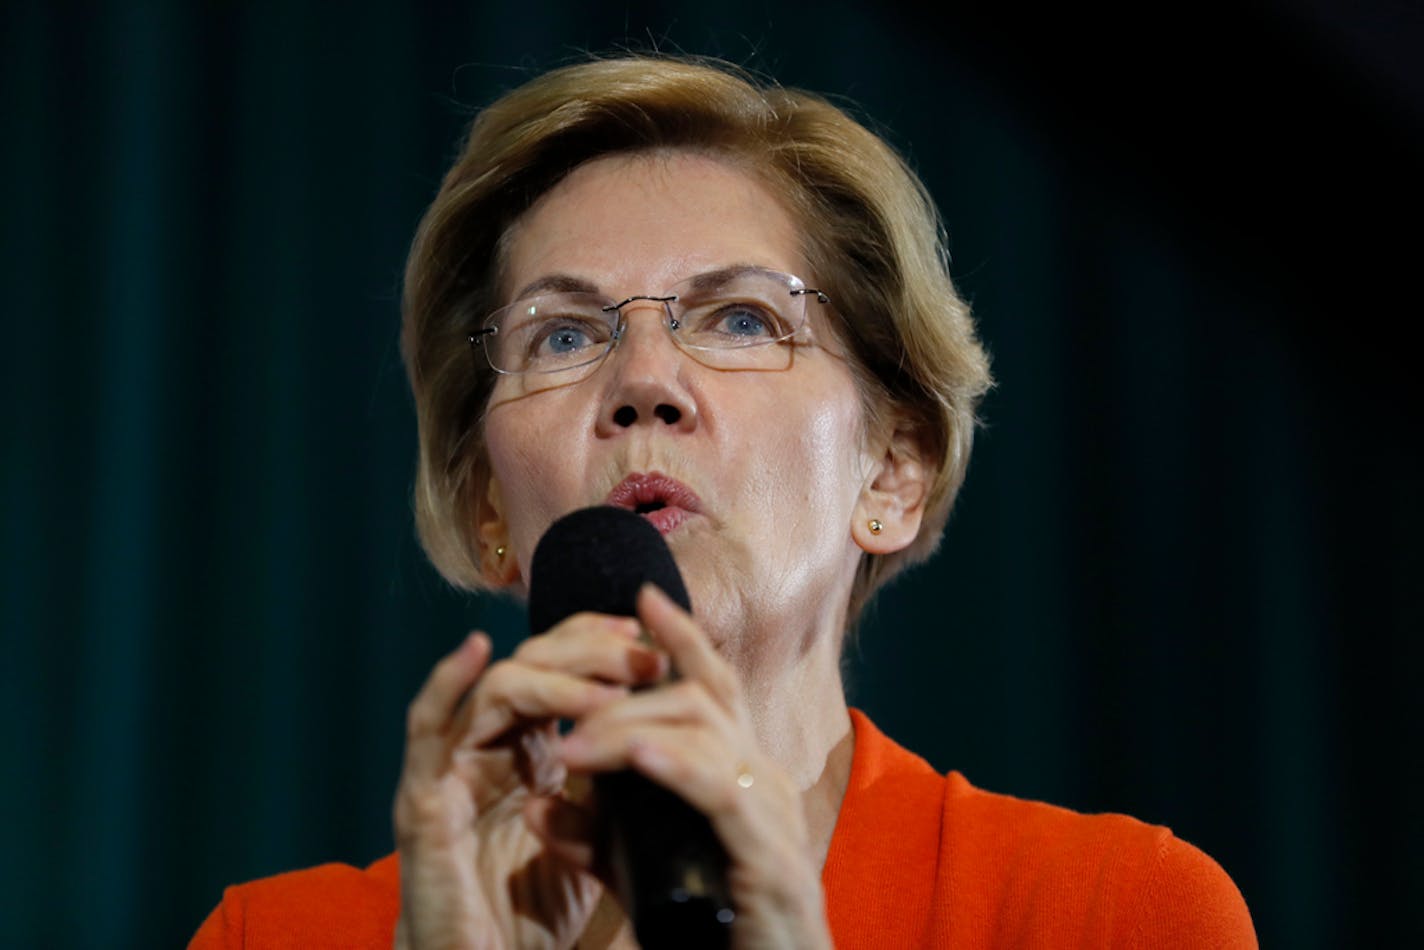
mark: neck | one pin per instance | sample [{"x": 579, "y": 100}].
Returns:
[
  {"x": 798, "y": 709},
  {"x": 799, "y": 713}
]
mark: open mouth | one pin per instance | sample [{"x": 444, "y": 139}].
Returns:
[{"x": 664, "y": 501}]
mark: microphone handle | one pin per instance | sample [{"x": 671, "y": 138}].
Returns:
[{"x": 668, "y": 864}]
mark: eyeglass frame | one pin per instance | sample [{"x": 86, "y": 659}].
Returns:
[{"x": 478, "y": 337}]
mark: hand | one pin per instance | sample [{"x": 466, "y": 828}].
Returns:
[
  {"x": 481, "y": 769},
  {"x": 695, "y": 737}
]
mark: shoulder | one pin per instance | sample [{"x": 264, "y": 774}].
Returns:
[
  {"x": 334, "y": 905},
  {"x": 1109, "y": 878},
  {"x": 920, "y": 858}
]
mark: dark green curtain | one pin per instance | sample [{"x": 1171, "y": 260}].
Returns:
[{"x": 1182, "y": 581}]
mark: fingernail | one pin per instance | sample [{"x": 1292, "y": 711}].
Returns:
[{"x": 650, "y": 664}]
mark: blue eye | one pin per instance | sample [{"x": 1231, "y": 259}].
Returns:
[
  {"x": 731, "y": 324},
  {"x": 563, "y": 340},
  {"x": 744, "y": 322},
  {"x": 568, "y": 338}
]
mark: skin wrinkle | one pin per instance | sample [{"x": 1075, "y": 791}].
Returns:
[{"x": 779, "y": 457}]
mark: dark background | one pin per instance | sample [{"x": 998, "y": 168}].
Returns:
[{"x": 1181, "y": 582}]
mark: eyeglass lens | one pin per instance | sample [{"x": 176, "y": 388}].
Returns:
[{"x": 727, "y": 319}]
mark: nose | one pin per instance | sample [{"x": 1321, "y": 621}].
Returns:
[{"x": 646, "y": 382}]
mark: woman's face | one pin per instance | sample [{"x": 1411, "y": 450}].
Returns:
[{"x": 777, "y": 460}]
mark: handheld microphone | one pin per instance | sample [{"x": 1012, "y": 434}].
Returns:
[{"x": 669, "y": 867}]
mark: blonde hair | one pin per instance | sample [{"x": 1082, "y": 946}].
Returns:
[{"x": 872, "y": 237}]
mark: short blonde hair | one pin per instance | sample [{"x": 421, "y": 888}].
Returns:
[{"x": 872, "y": 236}]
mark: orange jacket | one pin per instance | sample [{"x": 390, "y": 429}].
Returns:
[{"x": 917, "y": 860}]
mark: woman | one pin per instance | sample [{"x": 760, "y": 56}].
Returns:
[{"x": 656, "y": 283}]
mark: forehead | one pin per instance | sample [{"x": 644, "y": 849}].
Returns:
[{"x": 638, "y": 223}]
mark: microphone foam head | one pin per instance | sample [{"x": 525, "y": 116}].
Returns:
[{"x": 596, "y": 559}]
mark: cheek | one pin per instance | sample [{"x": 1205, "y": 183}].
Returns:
[
  {"x": 534, "y": 477},
  {"x": 822, "y": 464},
  {"x": 836, "y": 441}
]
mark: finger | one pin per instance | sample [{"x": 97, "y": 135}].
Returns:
[
  {"x": 685, "y": 702},
  {"x": 693, "y": 655},
  {"x": 694, "y": 763},
  {"x": 752, "y": 803},
  {"x": 753, "y": 807},
  {"x": 429, "y": 715},
  {"x": 597, "y": 646},
  {"x": 604, "y": 741},
  {"x": 511, "y": 692}
]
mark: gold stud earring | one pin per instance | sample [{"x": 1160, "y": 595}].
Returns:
[
  {"x": 499, "y": 551},
  {"x": 875, "y": 526}
]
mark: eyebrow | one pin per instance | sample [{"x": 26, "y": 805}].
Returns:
[
  {"x": 557, "y": 284},
  {"x": 715, "y": 278},
  {"x": 568, "y": 284}
]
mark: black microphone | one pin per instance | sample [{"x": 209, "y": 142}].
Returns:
[{"x": 668, "y": 865}]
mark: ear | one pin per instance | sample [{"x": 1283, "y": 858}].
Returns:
[
  {"x": 893, "y": 495},
  {"x": 492, "y": 533}
]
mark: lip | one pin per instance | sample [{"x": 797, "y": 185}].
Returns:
[{"x": 644, "y": 488}]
